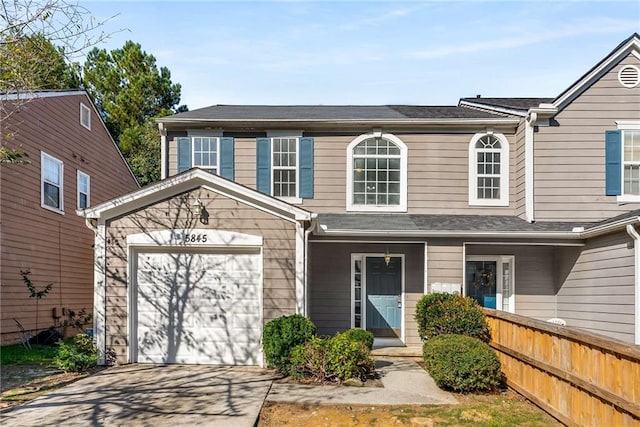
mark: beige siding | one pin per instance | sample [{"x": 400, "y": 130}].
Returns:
[
  {"x": 444, "y": 260},
  {"x": 225, "y": 214},
  {"x": 330, "y": 284},
  {"x": 569, "y": 157},
  {"x": 598, "y": 292},
  {"x": 519, "y": 170},
  {"x": 438, "y": 172},
  {"x": 56, "y": 248},
  {"x": 535, "y": 277}
]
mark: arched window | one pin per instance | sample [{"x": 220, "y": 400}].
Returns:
[
  {"x": 377, "y": 174},
  {"x": 489, "y": 170}
]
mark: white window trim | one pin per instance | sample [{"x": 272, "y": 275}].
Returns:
[
  {"x": 504, "y": 172},
  {"x": 88, "y": 114},
  {"x": 499, "y": 260},
  {"x": 193, "y": 153},
  {"x": 297, "y": 200},
  {"x": 402, "y": 207},
  {"x": 78, "y": 176},
  {"x": 44, "y": 156},
  {"x": 363, "y": 289},
  {"x": 626, "y": 125}
]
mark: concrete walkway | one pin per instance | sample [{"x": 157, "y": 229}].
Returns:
[
  {"x": 148, "y": 395},
  {"x": 404, "y": 383}
]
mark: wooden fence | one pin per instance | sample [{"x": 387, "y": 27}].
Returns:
[{"x": 582, "y": 379}]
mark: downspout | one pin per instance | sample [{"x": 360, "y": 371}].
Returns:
[
  {"x": 529, "y": 124},
  {"x": 163, "y": 151},
  {"x": 631, "y": 230},
  {"x": 99, "y": 290},
  {"x": 307, "y": 232}
]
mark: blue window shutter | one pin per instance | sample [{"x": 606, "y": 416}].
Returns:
[
  {"x": 263, "y": 165},
  {"x": 227, "y": 158},
  {"x": 613, "y": 161},
  {"x": 184, "y": 154},
  {"x": 306, "y": 168}
]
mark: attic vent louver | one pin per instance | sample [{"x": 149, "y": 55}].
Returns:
[{"x": 629, "y": 76}]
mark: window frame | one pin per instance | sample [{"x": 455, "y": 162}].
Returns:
[
  {"x": 402, "y": 206},
  {"x": 290, "y": 199},
  {"x": 626, "y": 126},
  {"x": 45, "y": 156},
  {"x": 193, "y": 153},
  {"x": 87, "y": 110},
  {"x": 504, "y": 171},
  {"x": 80, "y": 175}
]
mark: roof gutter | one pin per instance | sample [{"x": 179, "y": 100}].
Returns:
[
  {"x": 457, "y": 121},
  {"x": 492, "y": 108},
  {"x": 607, "y": 228},
  {"x": 455, "y": 233}
]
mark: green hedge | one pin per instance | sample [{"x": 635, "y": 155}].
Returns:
[
  {"x": 441, "y": 313},
  {"x": 281, "y": 335},
  {"x": 77, "y": 357},
  {"x": 461, "y": 363}
]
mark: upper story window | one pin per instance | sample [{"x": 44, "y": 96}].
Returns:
[
  {"x": 205, "y": 153},
  {"x": 622, "y": 158},
  {"x": 83, "y": 190},
  {"x": 489, "y": 170},
  {"x": 85, "y": 116},
  {"x": 211, "y": 153},
  {"x": 284, "y": 167},
  {"x": 377, "y": 173},
  {"x": 51, "y": 177}
]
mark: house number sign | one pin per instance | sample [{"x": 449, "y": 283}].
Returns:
[{"x": 187, "y": 238}]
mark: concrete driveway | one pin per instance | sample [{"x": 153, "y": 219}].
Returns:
[{"x": 148, "y": 395}]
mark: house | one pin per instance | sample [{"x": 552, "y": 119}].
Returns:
[
  {"x": 349, "y": 214},
  {"x": 72, "y": 164}
]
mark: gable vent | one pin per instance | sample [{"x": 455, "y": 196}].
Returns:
[{"x": 629, "y": 76}]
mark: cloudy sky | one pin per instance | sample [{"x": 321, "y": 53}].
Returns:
[{"x": 372, "y": 53}]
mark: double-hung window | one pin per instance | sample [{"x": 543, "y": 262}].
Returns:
[
  {"x": 377, "y": 174},
  {"x": 52, "y": 172},
  {"x": 215, "y": 154},
  {"x": 83, "y": 190},
  {"x": 489, "y": 170},
  {"x": 284, "y": 167},
  {"x": 622, "y": 158}
]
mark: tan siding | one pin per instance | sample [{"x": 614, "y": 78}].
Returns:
[
  {"x": 569, "y": 157},
  {"x": 535, "y": 279},
  {"x": 56, "y": 248},
  {"x": 437, "y": 172},
  {"x": 225, "y": 214},
  {"x": 444, "y": 259},
  {"x": 598, "y": 290},
  {"x": 519, "y": 170}
]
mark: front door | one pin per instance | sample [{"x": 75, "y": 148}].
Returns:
[
  {"x": 490, "y": 281},
  {"x": 384, "y": 296}
]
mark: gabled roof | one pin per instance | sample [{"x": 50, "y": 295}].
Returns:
[
  {"x": 327, "y": 113},
  {"x": 630, "y": 45},
  {"x": 187, "y": 181},
  {"x": 515, "y": 106}
]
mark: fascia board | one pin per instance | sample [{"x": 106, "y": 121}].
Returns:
[
  {"x": 453, "y": 233},
  {"x": 275, "y": 122},
  {"x": 485, "y": 107}
]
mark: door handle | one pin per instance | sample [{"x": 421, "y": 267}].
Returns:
[{"x": 399, "y": 302}]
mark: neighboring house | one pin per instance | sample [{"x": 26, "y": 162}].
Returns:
[
  {"x": 72, "y": 164},
  {"x": 349, "y": 214}
]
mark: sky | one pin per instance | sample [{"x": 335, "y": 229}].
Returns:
[{"x": 369, "y": 53}]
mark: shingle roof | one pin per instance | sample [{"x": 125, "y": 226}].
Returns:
[
  {"x": 330, "y": 112},
  {"x": 522, "y": 104},
  {"x": 440, "y": 223}
]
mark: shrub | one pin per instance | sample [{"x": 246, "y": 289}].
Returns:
[
  {"x": 357, "y": 334},
  {"x": 461, "y": 363},
  {"x": 79, "y": 356},
  {"x": 331, "y": 359},
  {"x": 440, "y": 314},
  {"x": 281, "y": 335}
]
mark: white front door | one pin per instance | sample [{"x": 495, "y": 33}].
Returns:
[{"x": 198, "y": 308}]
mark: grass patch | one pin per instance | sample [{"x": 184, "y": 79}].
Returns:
[{"x": 16, "y": 354}]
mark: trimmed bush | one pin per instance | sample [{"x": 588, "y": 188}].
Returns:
[
  {"x": 357, "y": 334},
  {"x": 461, "y": 363},
  {"x": 332, "y": 359},
  {"x": 77, "y": 357},
  {"x": 441, "y": 314},
  {"x": 281, "y": 335}
]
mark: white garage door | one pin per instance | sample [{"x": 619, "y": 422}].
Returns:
[{"x": 199, "y": 308}]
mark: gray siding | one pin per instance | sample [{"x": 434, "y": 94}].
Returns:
[
  {"x": 519, "y": 169},
  {"x": 445, "y": 260},
  {"x": 569, "y": 157},
  {"x": 598, "y": 292},
  {"x": 330, "y": 284}
]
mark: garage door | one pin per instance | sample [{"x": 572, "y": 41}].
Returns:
[{"x": 199, "y": 308}]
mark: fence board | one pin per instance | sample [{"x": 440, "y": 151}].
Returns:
[{"x": 580, "y": 378}]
